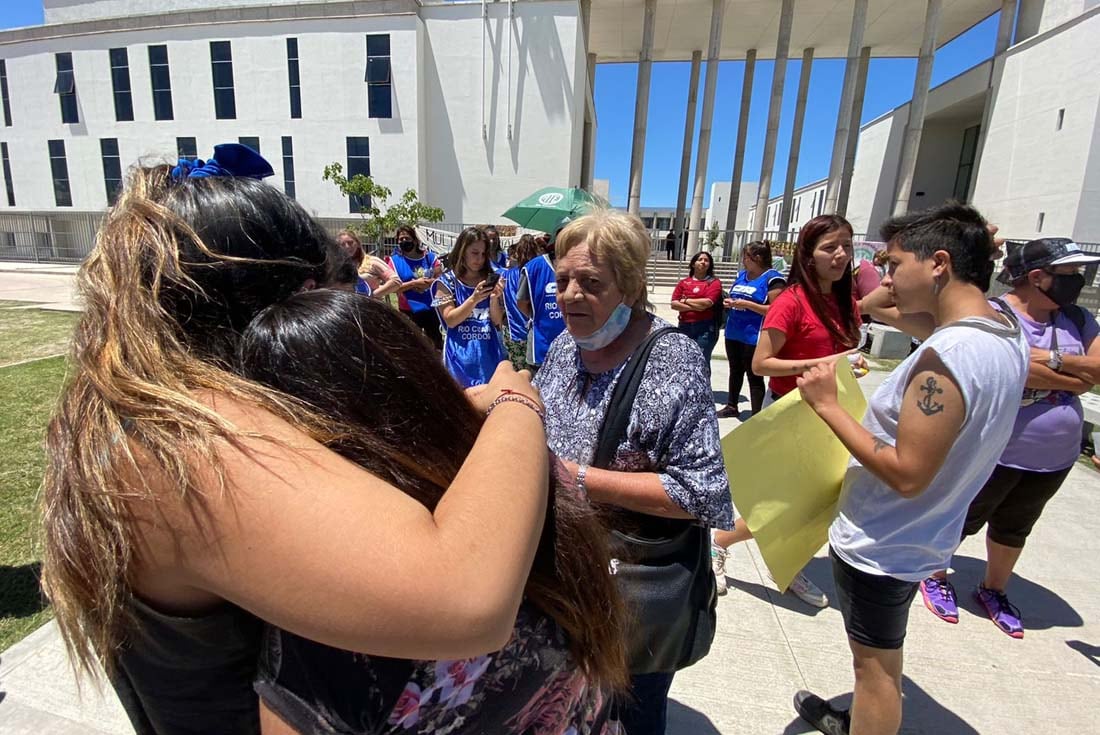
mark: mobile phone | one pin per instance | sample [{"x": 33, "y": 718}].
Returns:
[{"x": 491, "y": 279}]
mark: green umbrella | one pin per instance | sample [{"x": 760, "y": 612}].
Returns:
[{"x": 544, "y": 209}]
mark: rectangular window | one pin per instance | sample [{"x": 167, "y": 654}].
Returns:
[
  {"x": 1061, "y": 116},
  {"x": 112, "y": 168},
  {"x": 62, "y": 195},
  {"x": 65, "y": 88},
  {"x": 358, "y": 163},
  {"x": 161, "y": 81},
  {"x": 251, "y": 141},
  {"x": 9, "y": 186},
  {"x": 4, "y": 92},
  {"x": 187, "y": 148},
  {"x": 288, "y": 166},
  {"x": 966, "y": 163},
  {"x": 120, "y": 82},
  {"x": 294, "y": 77},
  {"x": 379, "y": 103},
  {"x": 221, "y": 68},
  {"x": 1039, "y": 224}
]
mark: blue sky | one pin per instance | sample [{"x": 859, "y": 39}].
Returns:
[{"x": 889, "y": 84}]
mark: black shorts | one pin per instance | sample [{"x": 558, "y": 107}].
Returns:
[
  {"x": 875, "y": 607},
  {"x": 1010, "y": 502}
]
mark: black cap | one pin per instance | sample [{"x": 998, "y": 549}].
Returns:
[{"x": 1046, "y": 251}]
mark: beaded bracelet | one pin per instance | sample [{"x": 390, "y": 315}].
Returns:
[{"x": 516, "y": 397}]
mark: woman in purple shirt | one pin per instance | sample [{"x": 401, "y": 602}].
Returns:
[{"x": 1065, "y": 362}]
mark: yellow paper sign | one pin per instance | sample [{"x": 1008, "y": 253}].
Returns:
[{"x": 785, "y": 469}]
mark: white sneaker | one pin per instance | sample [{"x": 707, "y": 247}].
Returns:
[
  {"x": 718, "y": 557},
  {"x": 807, "y": 591}
]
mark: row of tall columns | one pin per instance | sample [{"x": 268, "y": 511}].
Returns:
[
  {"x": 739, "y": 147},
  {"x": 641, "y": 107},
  {"x": 796, "y": 139},
  {"x": 853, "y": 132},
  {"x": 915, "y": 128},
  {"x": 844, "y": 121},
  {"x": 689, "y": 135},
  {"x": 775, "y": 107},
  {"x": 718, "y": 10}
]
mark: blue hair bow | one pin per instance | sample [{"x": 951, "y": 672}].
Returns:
[{"x": 229, "y": 159}]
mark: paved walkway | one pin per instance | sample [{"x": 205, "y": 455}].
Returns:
[{"x": 960, "y": 679}]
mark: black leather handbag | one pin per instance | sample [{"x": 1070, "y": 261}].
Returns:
[{"x": 665, "y": 581}]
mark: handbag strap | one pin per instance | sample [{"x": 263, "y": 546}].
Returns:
[{"x": 617, "y": 417}]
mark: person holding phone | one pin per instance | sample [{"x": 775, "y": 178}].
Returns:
[{"x": 468, "y": 300}]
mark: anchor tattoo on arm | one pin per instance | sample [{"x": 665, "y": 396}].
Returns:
[
  {"x": 879, "y": 444},
  {"x": 929, "y": 405}
]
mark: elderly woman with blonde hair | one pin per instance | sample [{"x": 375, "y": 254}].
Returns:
[{"x": 630, "y": 418}]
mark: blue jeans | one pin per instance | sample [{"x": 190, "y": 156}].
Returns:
[
  {"x": 644, "y": 709},
  {"x": 705, "y": 335}
]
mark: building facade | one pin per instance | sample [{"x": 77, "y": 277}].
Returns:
[{"x": 474, "y": 106}]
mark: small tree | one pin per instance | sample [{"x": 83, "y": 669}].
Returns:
[
  {"x": 714, "y": 236},
  {"x": 378, "y": 219}
]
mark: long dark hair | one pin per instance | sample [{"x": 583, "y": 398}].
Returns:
[
  {"x": 710, "y": 266},
  {"x": 803, "y": 275},
  {"x": 761, "y": 252},
  {"x": 372, "y": 371}
]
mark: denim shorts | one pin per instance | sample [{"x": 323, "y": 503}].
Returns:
[{"x": 875, "y": 607}]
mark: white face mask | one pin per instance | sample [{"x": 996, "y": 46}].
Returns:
[{"x": 610, "y": 331}]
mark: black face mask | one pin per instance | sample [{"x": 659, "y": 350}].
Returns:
[
  {"x": 1065, "y": 288},
  {"x": 407, "y": 246}
]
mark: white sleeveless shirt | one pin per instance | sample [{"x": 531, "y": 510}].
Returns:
[{"x": 877, "y": 530}]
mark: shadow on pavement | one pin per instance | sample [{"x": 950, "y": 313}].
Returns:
[
  {"x": 20, "y": 593},
  {"x": 1092, "y": 653},
  {"x": 683, "y": 720},
  {"x": 721, "y": 397},
  {"x": 1041, "y": 608},
  {"x": 818, "y": 570},
  {"x": 920, "y": 714}
]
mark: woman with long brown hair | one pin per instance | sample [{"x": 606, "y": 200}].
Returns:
[
  {"x": 358, "y": 362},
  {"x": 814, "y": 320},
  {"x": 517, "y": 323},
  {"x": 184, "y": 505}
]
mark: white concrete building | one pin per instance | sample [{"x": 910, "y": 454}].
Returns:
[{"x": 473, "y": 112}]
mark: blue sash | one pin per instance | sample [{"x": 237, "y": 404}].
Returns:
[
  {"x": 517, "y": 320},
  {"x": 546, "y": 319},
  {"x": 406, "y": 269},
  {"x": 473, "y": 349}
]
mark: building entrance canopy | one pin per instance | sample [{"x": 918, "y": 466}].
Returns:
[{"x": 894, "y": 27}]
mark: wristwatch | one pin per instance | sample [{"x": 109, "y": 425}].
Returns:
[
  {"x": 582, "y": 472},
  {"x": 1055, "y": 361}
]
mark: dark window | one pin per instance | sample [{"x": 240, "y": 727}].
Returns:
[
  {"x": 288, "y": 166},
  {"x": 251, "y": 141},
  {"x": 187, "y": 148},
  {"x": 294, "y": 77},
  {"x": 65, "y": 88},
  {"x": 966, "y": 163},
  {"x": 358, "y": 163},
  {"x": 162, "y": 82},
  {"x": 8, "y": 185},
  {"x": 4, "y": 92},
  {"x": 112, "y": 168},
  {"x": 62, "y": 195},
  {"x": 221, "y": 67},
  {"x": 120, "y": 82},
  {"x": 379, "y": 83}
]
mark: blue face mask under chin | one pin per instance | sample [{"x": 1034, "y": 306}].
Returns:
[{"x": 610, "y": 331}]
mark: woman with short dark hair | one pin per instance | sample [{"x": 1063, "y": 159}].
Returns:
[{"x": 418, "y": 268}]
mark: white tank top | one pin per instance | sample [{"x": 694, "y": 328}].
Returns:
[{"x": 880, "y": 532}]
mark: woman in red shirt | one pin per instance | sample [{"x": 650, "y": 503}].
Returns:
[
  {"x": 816, "y": 319},
  {"x": 696, "y": 298}
]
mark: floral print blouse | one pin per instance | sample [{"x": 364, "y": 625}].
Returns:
[{"x": 532, "y": 686}]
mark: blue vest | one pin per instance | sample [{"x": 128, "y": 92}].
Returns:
[
  {"x": 744, "y": 325},
  {"x": 501, "y": 261},
  {"x": 546, "y": 319},
  {"x": 361, "y": 286},
  {"x": 406, "y": 269},
  {"x": 517, "y": 320},
  {"x": 472, "y": 349}
]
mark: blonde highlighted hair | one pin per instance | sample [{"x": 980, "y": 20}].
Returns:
[{"x": 618, "y": 239}]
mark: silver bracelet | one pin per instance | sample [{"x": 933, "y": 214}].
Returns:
[{"x": 579, "y": 481}]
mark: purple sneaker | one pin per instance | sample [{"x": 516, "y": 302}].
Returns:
[
  {"x": 1000, "y": 611},
  {"x": 939, "y": 597}
]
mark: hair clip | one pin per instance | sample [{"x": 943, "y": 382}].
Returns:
[{"x": 229, "y": 159}]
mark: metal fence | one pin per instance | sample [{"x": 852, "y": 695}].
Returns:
[{"x": 725, "y": 245}]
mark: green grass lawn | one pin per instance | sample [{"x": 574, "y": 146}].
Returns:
[
  {"x": 27, "y": 393},
  {"x": 26, "y": 334}
]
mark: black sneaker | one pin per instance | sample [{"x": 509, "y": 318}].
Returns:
[{"x": 819, "y": 713}]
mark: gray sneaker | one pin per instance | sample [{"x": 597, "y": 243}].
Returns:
[
  {"x": 822, "y": 715},
  {"x": 718, "y": 557},
  {"x": 805, "y": 590}
]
